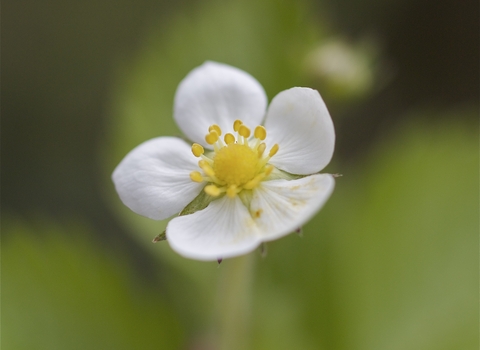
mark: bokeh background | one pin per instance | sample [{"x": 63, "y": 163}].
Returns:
[{"x": 391, "y": 262}]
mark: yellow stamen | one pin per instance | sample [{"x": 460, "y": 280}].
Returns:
[
  {"x": 212, "y": 190},
  {"x": 229, "y": 138},
  {"x": 244, "y": 131},
  {"x": 254, "y": 182},
  {"x": 236, "y": 124},
  {"x": 196, "y": 176},
  {"x": 206, "y": 168},
  {"x": 273, "y": 150},
  {"x": 211, "y": 137},
  {"x": 216, "y": 128},
  {"x": 260, "y": 133},
  {"x": 261, "y": 149},
  {"x": 232, "y": 191},
  {"x": 268, "y": 170},
  {"x": 205, "y": 158},
  {"x": 197, "y": 150}
]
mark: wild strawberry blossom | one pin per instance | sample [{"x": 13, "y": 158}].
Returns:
[{"x": 240, "y": 183}]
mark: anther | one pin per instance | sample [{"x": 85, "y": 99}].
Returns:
[
  {"x": 196, "y": 176},
  {"x": 212, "y": 190},
  {"x": 260, "y": 133},
  {"x": 216, "y": 128},
  {"x": 211, "y": 137},
  {"x": 273, "y": 150},
  {"x": 236, "y": 124},
  {"x": 261, "y": 149},
  {"x": 229, "y": 138},
  {"x": 197, "y": 150},
  {"x": 244, "y": 131}
]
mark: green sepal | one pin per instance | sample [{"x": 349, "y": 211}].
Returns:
[
  {"x": 281, "y": 174},
  {"x": 160, "y": 237},
  {"x": 200, "y": 202},
  {"x": 278, "y": 174},
  {"x": 263, "y": 249}
]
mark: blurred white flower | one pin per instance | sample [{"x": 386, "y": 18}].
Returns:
[
  {"x": 345, "y": 69},
  {"x": 235, "y": 185}
]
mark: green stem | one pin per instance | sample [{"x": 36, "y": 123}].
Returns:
[{"x": 234, "y": 303}]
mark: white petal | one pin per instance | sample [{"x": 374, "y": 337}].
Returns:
[
  {"x": 299, "y": 122},
  {"x": 216, "y": 93},
  {"x": 223, "y": 229},
  {"x": 280, "y": 206},
  {"x": 154, "y": 178}
]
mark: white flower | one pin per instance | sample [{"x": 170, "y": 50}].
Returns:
[{"x": 243, "y": 176}]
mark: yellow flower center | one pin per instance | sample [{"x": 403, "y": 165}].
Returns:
[{"x": 237, "y": 163}]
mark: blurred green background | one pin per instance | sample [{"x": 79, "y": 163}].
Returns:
[{"x": 391, "y": 262}]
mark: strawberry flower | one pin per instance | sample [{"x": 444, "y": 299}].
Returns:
[{"x": 241, "y": 182}]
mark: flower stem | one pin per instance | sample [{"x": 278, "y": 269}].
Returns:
[{"x": 234, "y": 303}]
